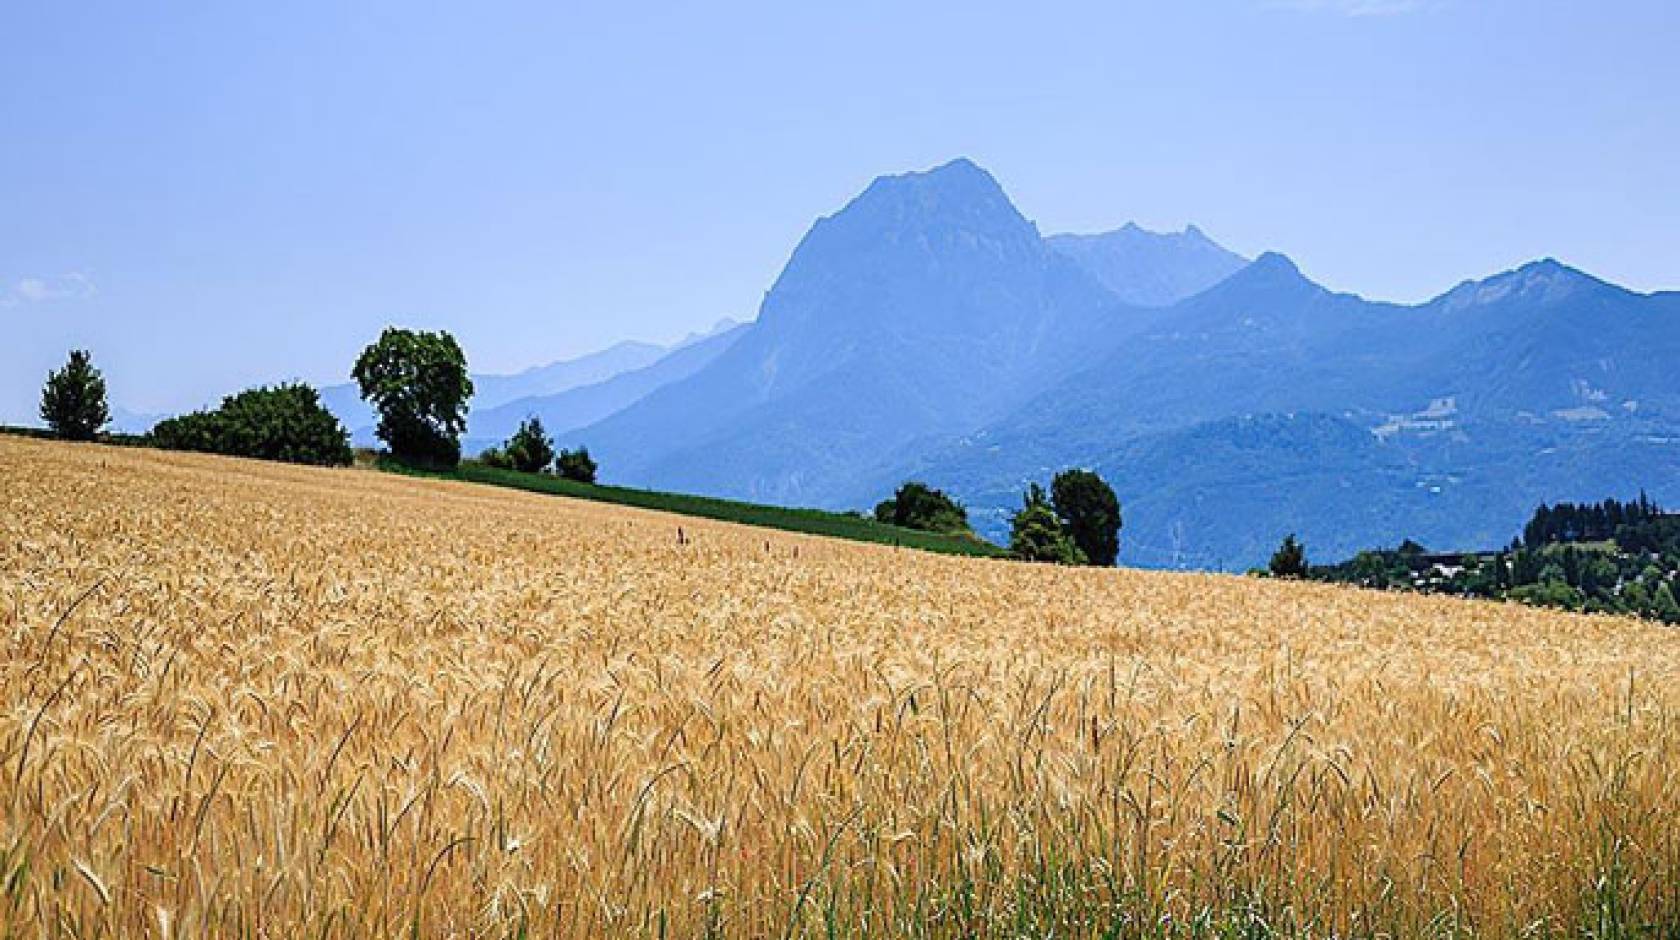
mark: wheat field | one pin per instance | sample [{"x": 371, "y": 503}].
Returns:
[{"x": 244, "y": 699}]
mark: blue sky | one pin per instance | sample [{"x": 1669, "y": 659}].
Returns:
[{"x": 212, "y": 195}]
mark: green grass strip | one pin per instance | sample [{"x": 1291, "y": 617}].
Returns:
[{"x": 855, "y": 528}]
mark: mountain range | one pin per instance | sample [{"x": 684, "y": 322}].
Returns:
[
  {"x": 568, "y": 408},
  {"x": 927, "y": 330},
  {"x": 1269, "y": 405}
]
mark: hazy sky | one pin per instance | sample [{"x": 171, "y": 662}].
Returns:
[{"x": 211, "y": 195}]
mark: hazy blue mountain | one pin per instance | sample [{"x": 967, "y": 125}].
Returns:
[
  {"x": 125, "y": 421},
  {"x": 490, "y": 391},
  {"x": 927, "y": 331},
  {"x": 1268, "y": 405},
  {"x": 1151, "y": 269},
  {"x": 924, "y": 308},
  {"x": 577, "y": 407}
]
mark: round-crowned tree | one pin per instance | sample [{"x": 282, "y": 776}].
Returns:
[
  {"x": 919, "y": 506},
  {"x": 418, "y": 383}
]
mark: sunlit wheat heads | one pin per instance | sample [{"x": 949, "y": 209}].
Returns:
[{"x": 244, "y": 699}]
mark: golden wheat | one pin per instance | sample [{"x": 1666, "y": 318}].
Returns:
[{"x": 247, "y": 699}]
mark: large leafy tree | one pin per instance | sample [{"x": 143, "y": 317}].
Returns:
[
  {"x": 1036, "y": 534},
  {"x": 1089, "y": 509},
  {"x": 73, "y": 400},
  {"x": 418, "y": 383},
  {"x": 285, "y": 422}
]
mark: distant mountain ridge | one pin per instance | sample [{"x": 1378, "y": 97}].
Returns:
[
  {"x": 493, "y": 391},
  {"x": 573, "y": 408},
  {"x": 1151, "y": 269},
  {"x": 1445, "y": 421},
  {"x": 490, "y": 391},
  {"x": 927, "y": 331}
]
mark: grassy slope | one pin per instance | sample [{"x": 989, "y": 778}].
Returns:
[{"x": 810, "y": 521}]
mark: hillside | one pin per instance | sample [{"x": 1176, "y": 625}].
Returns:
[
  {"x": 247, "y": 697},
  {"x": 926, "y": 330}
]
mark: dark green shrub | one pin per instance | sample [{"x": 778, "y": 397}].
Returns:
[
  {"x": 1663, "y": 605},
  {"x": 530, "y": 450},
  {"x": 1290, "y": 560},
  {"x": 919, "y": 506},
  {"x": 283, "y": 422},
  {"x": 199, "y": 431},
  {"x": 1036, "y": 534},
  {"x": 1550, "y": 594},
  {"x": 576, "y": 465}
]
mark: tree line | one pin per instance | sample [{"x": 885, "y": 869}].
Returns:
[
  {"x": 417, "y": 383},
  {"x": 1610, "y": 557},
  {"x": 1586, "y": 522},
  {"x": 418, "y": 386},
  {"x": 531, "y": 450},
  {"x": 1077, "y": 523}
]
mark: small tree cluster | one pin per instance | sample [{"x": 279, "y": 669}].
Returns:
[
  {"x": 1036, "y": 534},
  {"x": 529, "y": 450},
  {"x": 1078, "y": 523},
  {"x": 919, "y": 506},
  {"x": 285, "y": 422},
  {"x": 1609, "y": 557},
  {"x": 1290, "y": 560},
  {"x": 533, "y": 452},
  {"x": 576, "y": 465},
  {"x": 73, "y": 400}
]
